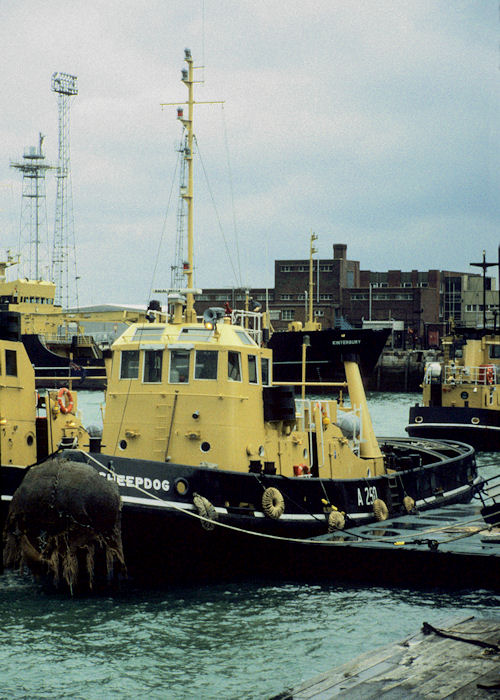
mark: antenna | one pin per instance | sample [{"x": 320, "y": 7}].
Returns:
[
  {"x": 187, "y": 122},
  {"x": 64, "y": 235},
  {"x": 176, "y": 270},
  {"x": 34, "y": 254},
  {"x": 484, "y": 266}
]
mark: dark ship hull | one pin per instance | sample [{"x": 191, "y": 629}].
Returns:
[
  {"x": 164, "y": 537},
  {"x": 366, "y": 555},
  {"x": 326, "y": 352},
  {"x": 54, "y": 370},
  {"x": 479, "y": 427}
]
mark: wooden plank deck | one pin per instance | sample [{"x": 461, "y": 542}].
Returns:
[{"x": 460, "y": 660}]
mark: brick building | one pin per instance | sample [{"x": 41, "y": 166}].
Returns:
[{"x": 424, "y": 301}]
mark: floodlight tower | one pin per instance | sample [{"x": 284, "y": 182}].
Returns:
[
  {"x": 64, "y": 234},
  {"x": 33, "y": 244}
]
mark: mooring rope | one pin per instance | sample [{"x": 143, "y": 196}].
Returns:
[
  {"x": 301, "y": 540},
  {"x": 427, "y": 629}
]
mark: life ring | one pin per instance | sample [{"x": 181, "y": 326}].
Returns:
[
  {"x": 205, "y": 510},
  {"x": 336, "y": 521},
  {"x": 65, "y": 400},
  {"x": 273, "y": 503},
  {"x": 380, "y": 510},
  {"x": 489, "y": 374}
]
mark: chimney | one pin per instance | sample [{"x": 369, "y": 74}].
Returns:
[{"x": 339, "y": 251}]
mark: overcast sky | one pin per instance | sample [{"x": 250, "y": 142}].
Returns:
[{"x": 373, "y": 123}]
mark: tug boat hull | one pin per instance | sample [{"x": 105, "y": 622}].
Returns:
[
  {"x": 477, "y": 427},
  {"x": 165, "y": 539}
]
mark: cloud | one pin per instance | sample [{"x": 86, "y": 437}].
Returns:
[{"x": 373, "y": 124}]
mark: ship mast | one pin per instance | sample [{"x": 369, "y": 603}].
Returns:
[
  {"x": 187, "y": 195},
  {"x": 311, "y": 324}
]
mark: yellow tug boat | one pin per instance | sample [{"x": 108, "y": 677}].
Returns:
[
  {"x": 461, "y": 395},
  {"x": 205, "y": 450}
]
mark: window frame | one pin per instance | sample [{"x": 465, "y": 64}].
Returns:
[
  {"x": 129, "y": 352},
  {"x": 11, "y": 363},
  {"x": 179, "y": 351},
  {"x": 253, "y": 358},
  {"x": 158, "y": 353},
  {"x": 265, "y": 362},
  {"x": 238, "y": 354},
  {"x": 196, "y": 365}
]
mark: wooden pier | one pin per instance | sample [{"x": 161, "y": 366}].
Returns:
[{"x": 459, "y": 660}]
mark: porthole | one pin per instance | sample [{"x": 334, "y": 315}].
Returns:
[
  {"x": 181, "y": 486},
  {"x": 474, "y": 420},
  {"x": 464, "y": 395},
  {"x": 205, "y": 446},
  {"x": 304, "y": 453},
  {"x": 29, "y": 440},
  {"x": 418, "y": 419},
  {"x": 122, "y": 444},
  {"x": 261, "y": 451}
]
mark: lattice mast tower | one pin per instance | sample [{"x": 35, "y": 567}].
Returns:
[
  {"x": 33, "y": 242},
  {"x": 64, "y": 254}
]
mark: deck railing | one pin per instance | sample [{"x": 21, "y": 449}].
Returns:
[{"x": 484, "y": 375}]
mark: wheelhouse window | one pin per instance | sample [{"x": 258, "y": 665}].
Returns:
[
  {"x": 196, "y": 334},
  {"x": 252, "y": 369},
  {"x": 495, "y": 352},
  {"x": 205, "y": 364},
  {"x": 130, "y": 364},
  {"x": 11, "y": 363},
  {"x": 152, "y": 365},
  {"x": 149, "y": 333},
  {"x": 245, "y": 338},
  {"x": 264, "y": 363},
  {"x": 179, "y": 367},
  {"x": 233, "y": 366}
]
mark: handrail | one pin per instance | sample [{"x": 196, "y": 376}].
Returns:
[{"x": 484, "y": 375}]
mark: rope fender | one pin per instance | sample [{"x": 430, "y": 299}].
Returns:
[
  {"x": 380, "y": 510},
  {"x": 409, "y": 504},
  {"x": 336, "y": 521},
  {"x": 273, "y": 503},
  {"x": 205, "y": 510}
]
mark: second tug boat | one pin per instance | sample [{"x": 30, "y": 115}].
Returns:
[{"x": 203, "y": 446}]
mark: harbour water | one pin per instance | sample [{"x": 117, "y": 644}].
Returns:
[{"x": 238, "y": 641}]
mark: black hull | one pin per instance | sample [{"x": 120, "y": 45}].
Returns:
[
  {"x": 326, "y": 353},
  {"x": 164, "y": 538},
  {"x": 223, "y": 555},
  {"x": 477, "y": 427},
  {"x": 53, "y": 370}
]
